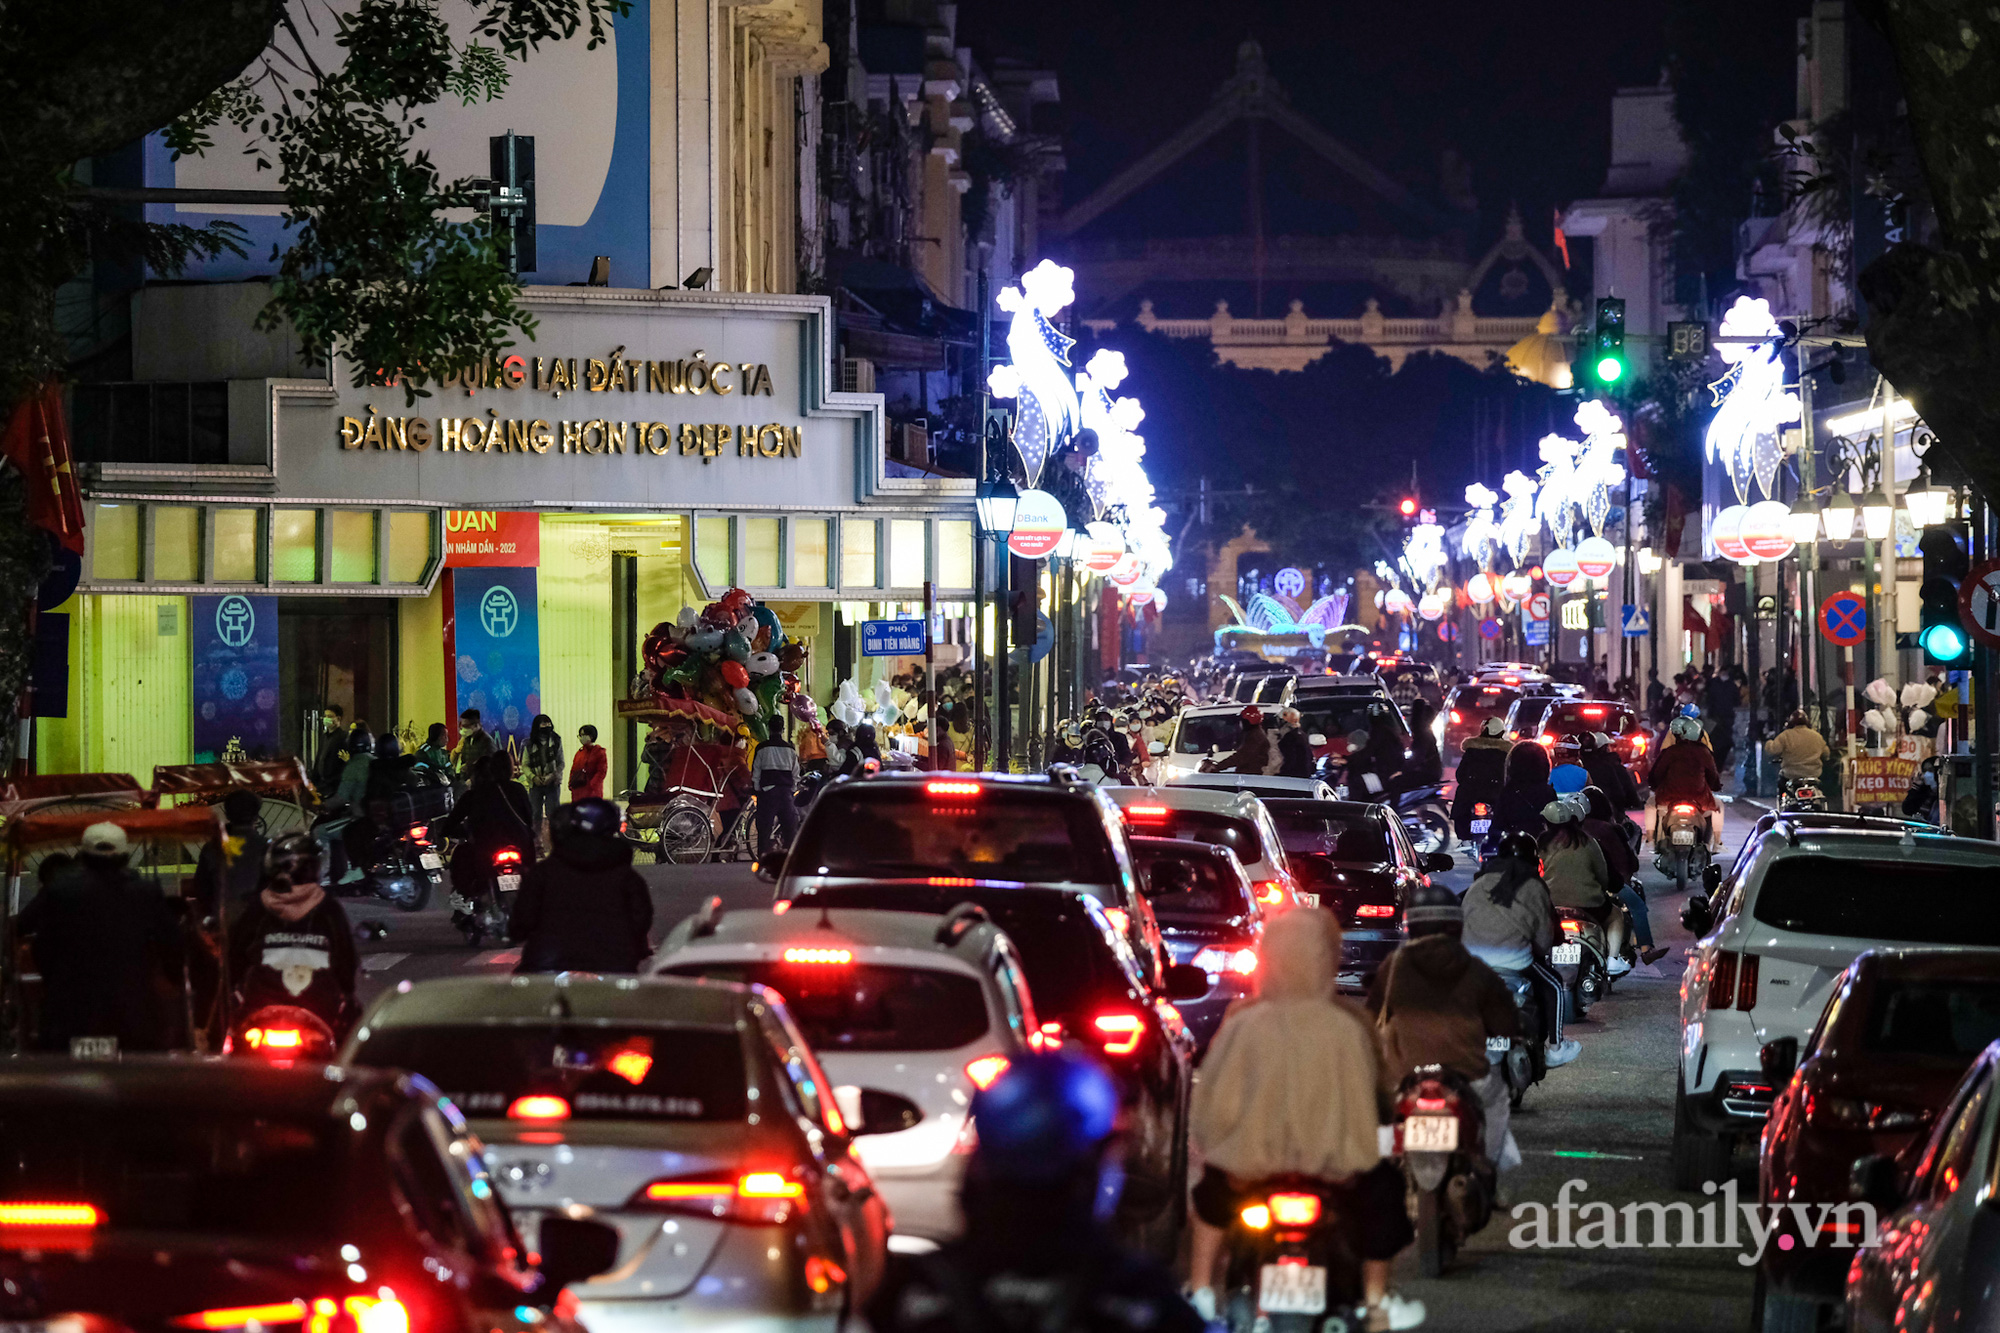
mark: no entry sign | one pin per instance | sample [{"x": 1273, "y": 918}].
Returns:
[
  {"x": 1979, "y": 602},
  {"x": 1843, "y": 619}
]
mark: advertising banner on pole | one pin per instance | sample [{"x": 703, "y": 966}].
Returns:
[
  {"x": 234, "y": 699},
  {"x": 497, "y": 650}
]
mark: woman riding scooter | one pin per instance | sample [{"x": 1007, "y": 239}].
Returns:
[
  {"x": 1510, "y": 925},
  {"x": 1573, "y": 867},
  {"x": 1482, "y": 769}
]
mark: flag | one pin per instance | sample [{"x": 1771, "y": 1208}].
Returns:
[
  {"x": 37, "y": 444},
  {"x": 1562, "y": 241}
]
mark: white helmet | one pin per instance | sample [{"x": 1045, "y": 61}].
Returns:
[
  {"x": 1493, "y": 726},
  {"x": 1685, "y": 728}
]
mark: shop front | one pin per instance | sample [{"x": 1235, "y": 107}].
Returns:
[{"x": 502, "y": 541}]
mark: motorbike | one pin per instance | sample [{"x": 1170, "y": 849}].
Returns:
[
  {"x": 282, "y": 1035},
  {"x": 1683, "y": 853},
  {"x": 483, "y": 898},
  {"x": 1440, "y": 1144},
  {"x": 401, "y": 870},
  {"x": 1523, "y": 1060},
  {"x": 1582, "y": 957},
  {"x": 1426, "y": 816},
  {"x": 1289, "y": 1269},
  {"x": 1795, "y": 794}
]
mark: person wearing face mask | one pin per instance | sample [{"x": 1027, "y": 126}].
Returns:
[
  {"x": 542, "y": 771},
  {"x": 292, "y": 945}
]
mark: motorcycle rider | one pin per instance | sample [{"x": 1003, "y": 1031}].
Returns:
[
  {"x": 1609, "y": 828},
  {"x": 1068, "y": 748},
  {"x": 1036, "y": 1255},
  {"x": 492, "y": 815},
  {"x": 584, "y": 908},
  {"x": 1373, "y": 769},
  {"x": 1105, "y": 745},
  {"x": 1436, "y": 1004},
  {"x": 1510, "y": 925},
  {"x": 1290, "y": 1087},
  {"x": 1295, "y": 752},
  {"x": 1607, "y": 771},
  {"x": 1799, "y": 750},
  {"x": 1526, "y": 791},
  {"x": 1253, "y": 747},
  {"x": 1574, "y": 868},
  {"x": 1425, "y": 766},
  {"x": 1482, "y": 767},
  {"x": 1684, "y": 773},
  {"x": 292, "y": 945}
]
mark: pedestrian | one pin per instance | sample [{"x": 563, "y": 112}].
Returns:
[
  {"x": 584, "y": 908},
  {"x": 474, "y": 745},
  {"x": 228, "y": 871},
  {"x": 354, "y": 775},
  {"x": 588, "y": 767},
  {"x": 435, "y": 752},
  {"x": 331, "y": 756},
  {"x": 542, "y": 766},
  {"x": 944, "y": 755},
  {"x": 774, "y": 776}
]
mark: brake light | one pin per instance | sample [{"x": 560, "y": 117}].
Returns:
[
  {"x": 823, "y": 1275},
  {"x": 49, "y": 1215},
  {"x": 780, "y": 907},
  {"x": 273, "y": 1039},
  {"x": 1295, "y": 1210},
  {"x": 951, "y": 882},
  {"x": 1481, "y": 810},
  {"x": 420, "y": 831},
  {"x": 1270, "y": 892},
  {"x": 757, "y": 1196},
  {"x": 539, "y": 1106},
  {"x": 768, "y": 1185},
  {"x": 949, "y": 788},
  {"x": 506, "y": 856},
  {"x": 985, "y": 1070},
  {"x": 1146, "y": 814},
  {"x": 1746, "y": 983},
  {"x": 1242, "y": 962},
  {"x": 381, "y": 1313},
  {"x": 631, "y": 1065},
  {"x": 238, "y": 1316},
  {"x": 1571, "y": 927},
  {"x": 1722, "y": 981},
  {"x": 1119, "y": 917},
  {"x": 1546, "y": 738},
  {"x": 822, "y": 957},
  {"x": 1120, "y": 1032},
  {"x": 1683, "y": 809},
  {"x": 1591, "y": 712},
  {"x": 1639, "y": 742},
  {"x": 1257, "y": 1217},
  {"x": 1456, "y": 716},
  {"x": 1375, "y": 910}
]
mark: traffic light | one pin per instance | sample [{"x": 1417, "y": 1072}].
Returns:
[
  {"x": 1941, "y": 633},
  {"x": 512, "y": 201},
  {"x": 1406, "y": 509},
  {"x": 1607, "y": 342}
]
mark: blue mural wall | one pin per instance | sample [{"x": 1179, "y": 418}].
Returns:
[
  {"x": 497, "y": 641},
  {"x": 234, "y": 638}
]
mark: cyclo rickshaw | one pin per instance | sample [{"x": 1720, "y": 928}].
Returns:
[{"x": 684, "y": 823}]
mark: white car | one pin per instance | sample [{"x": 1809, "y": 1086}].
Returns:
[
  {"x": 1203, "y": 732},
  {"x": 1802, "y": 901},
  {"x": 1258, "y": 784},
  {"x": 1223, "y": 818},
  {"x": 932, "y": 1008}
]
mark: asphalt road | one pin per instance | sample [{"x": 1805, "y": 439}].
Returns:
[{"x": 1604, "y": 1121}]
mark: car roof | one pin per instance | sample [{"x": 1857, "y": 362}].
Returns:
[
  {"x": 1179, "y": 796},
  {"x": 1880, "y": 840},
  {"x": 868, "y": 928},
  {"x": 1182, "y": 849},
  {"x": 1260, "y": 785},
  {"x": 1804, "y": 819},
  {"x": 1344, "y": 809},
  {"x": 175, "y": 1081},
  {"x": 532, "y": 998},
  {"x": 1942, "y": 963}
]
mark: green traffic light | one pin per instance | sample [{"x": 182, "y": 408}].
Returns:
[
  {"x": 1610, "y": 369},
  {"x": 1946, "y": 643}
]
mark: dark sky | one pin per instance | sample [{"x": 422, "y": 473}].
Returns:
[{"x": 1522, "y": 91}]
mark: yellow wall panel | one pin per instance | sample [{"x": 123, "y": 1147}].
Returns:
[
  {"x": 59, "y": 740},
  {"x": 133, "y": 685},
  {"x": 420, "y": 661},
  {"x": 573, "y": 593}
]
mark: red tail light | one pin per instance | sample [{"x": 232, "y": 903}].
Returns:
[
  {"x": 820, "y": 957},
  {"x": 757, "y": 1196},
  {"x": 1294, "y": 1210},
  {"x": 67, "y": 1215},
  {"x": 506, "y": 856},
  {"x": 986, "y": 1070},
  {"x": 1638, "y": 742},
  {"x": 1146, "y": 814},
  {"x": 381, "y": 1313},
  {"x": 1591, "y": 712},
  {"x": 1120, "y": 1032},
  {"x": 823, "y": 1275},
  {"x": 1571, "y": 927},
  {"x": 418, "y": 832},
  {"x": 1270, "y": 892},
  {"x": 1375, "y": 910},
  {"x": 950, "y": 788},
  {"x": 1722, "y": 981},
  {"x": 1746, "y": 983},
  {"x": 1456, "y": 716},
  {"x": 1481, "y": 810},
  {"x": 274, "y": 1041},
  {"x": 539, "y": 1106},
  {"x": 240, "y": 1316},
  {"x": 1683, "y": 809},
  {"x": 1546, "y": 738},
  {"x": 1119, "y": 918}
]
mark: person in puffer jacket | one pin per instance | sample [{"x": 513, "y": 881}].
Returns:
[{"x": 584, "y": 909}]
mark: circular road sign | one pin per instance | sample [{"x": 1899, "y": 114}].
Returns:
[
  {"x": 1843, "y": 618},
  {"x": 1538, "y": 606},
  {"x": 1489, "y": 628},
  {"x": 1447, "y": 631},
  {"x": 1979, "y": 602}
]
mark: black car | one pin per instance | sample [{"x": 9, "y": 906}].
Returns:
[
  {"x": 165, "y": 1194},
  {"x": 1208, "y": 913},
  {"x": 1089, "y": 986},
  {"x": 1358, "y": 859}
]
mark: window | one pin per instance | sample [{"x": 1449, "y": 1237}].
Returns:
[
  {"x": 235, "y": 545},
  {"x": 1338, "y": 837},
  {"x": 1950, "y": 1020},
  {"x": 954, "y": 539},
  {"x": 863, "y": 1007},
  {"x": 295, "y": 545},
  {"x": 906, "y": 552},
  {"x": 809, "y": 553},
  {"x": 171, "y": 423},
  {"x": 1191, "y": 888},
  {"x": 714, "y": 551},
  {"x": 409, "y": 546},
  {"x": 760, "y": 552},
  {"x": 1945, "y": 1166},
  {"x": 176, "y": 543},
  {"x": 810, "y": 1086},
  {"x": 857, "y": 553},
  {"x": 353, "y": 533},
  {"x": 1014, "y": 997},
  {"x": 114, "y": 552},
  {"x": 1936, "y": 902},
  {"x": 901, "y": 832},
  {"x": 1238, "y": 835}
]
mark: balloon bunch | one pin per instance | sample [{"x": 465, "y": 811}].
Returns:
[
  {"x": 734, "y": 657},
  {"x": 850, "y": 707}
]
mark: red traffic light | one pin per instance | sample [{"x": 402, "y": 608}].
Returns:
[{"x": 1408, "y": 507}]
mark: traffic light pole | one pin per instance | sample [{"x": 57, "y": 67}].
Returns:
[{"x": 1982, "y": 685}]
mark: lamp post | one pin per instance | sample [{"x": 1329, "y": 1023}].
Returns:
[{"x": 994, "y": 505}]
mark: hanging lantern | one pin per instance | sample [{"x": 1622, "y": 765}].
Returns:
[
  {"x": 1559, "y": 567},
  {"x": 1479, "y": 588},
  {"x": 1595, "y": 557}
]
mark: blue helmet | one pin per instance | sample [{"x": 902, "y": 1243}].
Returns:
[
  {"x": 1689, "y": 710},
  {"x": 1567, "y": 778},
  {"x": 1048, "y": 1115}
]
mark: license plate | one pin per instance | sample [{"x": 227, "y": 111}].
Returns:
[
  {"x": 1566, "y": 955},
  {"x": 1307, "y": 899},
  {"x": 1430, "y": 1133},
  {"x": 509, "y": 883},
  {"x": 90, "y": 1048},
  {"x": 1291, "y": 1289},
  {"x": 1683, "y": 837},
  {"x": 430, "y": 861},
  {"x": 1481, "y": 826},
  {"x": 1499, "y": 1045}
]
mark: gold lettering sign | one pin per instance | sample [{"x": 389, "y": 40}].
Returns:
[{"x": 599, "y": 436}]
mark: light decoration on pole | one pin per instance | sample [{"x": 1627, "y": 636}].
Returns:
[
  {"x": 1114, "y": 470},
  {"x": 1517, "y": 516},
  {"x": 1480, "y": 539},
  {"x": 1038, "y": 376},
  {"x": 1423, "y": 553},
  {"x": 1752, "y": 403}
]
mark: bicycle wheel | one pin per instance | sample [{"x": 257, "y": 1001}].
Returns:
[{"x": 686, "y": 834}]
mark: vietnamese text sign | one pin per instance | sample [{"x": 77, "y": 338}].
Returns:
[
  {"x": 484, "y": 537},
  {"x": 892, "y": 638},
  {"x": 1879, "y": 778},
  {"x": 234, "y": 694},
  {"x": 497, "y": 650}
]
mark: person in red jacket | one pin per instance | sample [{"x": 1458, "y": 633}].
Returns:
[
  {"x": 1684, "y": 773},
  {"x": 588, "y": 767}
]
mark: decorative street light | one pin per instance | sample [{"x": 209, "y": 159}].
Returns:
[
  {"x": 1803, "y": 525},
  {"x": 995, "y": 504},
  {"x": 1928, "y": 504},
  {"x": 1839, "y": 516},
  {"x": 1878, "y": 514}
]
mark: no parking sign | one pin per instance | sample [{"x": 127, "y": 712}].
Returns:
[{"x": 1843, "y": 618}]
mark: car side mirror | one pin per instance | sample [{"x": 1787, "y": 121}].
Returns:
[
  {"x": 770, "y": 868},
  {"x": 884, "y": 1113},
  {"x": 1185, "y": 981},
  {"x": 1875, "y": 1180},
  {"x": 572, "y": 1249},
  {"x": 1697, "y": 915},
  {"x": 1780, "y": 1060},
  {"x": 1711, "y": 877},
  {"x": 1157, "y": 747},
  {"x": 1437, "y": 863}
]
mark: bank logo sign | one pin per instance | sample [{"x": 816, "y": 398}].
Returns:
[
  {"x": 235, "y": 620},
  {"x": 499, "y": 613}
]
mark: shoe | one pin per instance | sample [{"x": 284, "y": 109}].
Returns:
[
  {"x": 1203, "y": 1301},
  {"x": 1654, "y": 954},
  {"x": 1561, "y": 1053},
  {"x": 1618, "y": 967},
  {"x": 1394, "y": 1312}
]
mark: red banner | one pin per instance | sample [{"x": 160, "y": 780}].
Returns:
[
  {"x": 1882, "y": 778},
  {"x": 486, "y": 537}
]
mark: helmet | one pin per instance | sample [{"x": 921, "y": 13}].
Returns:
[
  {"x": 1048, "y": 1114},
  {"x": 1101, "y": 716},
  {"x": 1685, "y": 728},
  {"x": 1521, "y": 846},
  {"x": 1493, "y": 726},
  {"x": 1689, "y": 710},
  {"x": 1432, "y": 907},
  {"x": 1253, "y": 716},
  {"x": 1560, "y": 811},
  {"x": 1798, "y": 719},
  {"x": 592, "y": 817},
  {"x": 1585, "y": 741},
  {"x": 1566, "y": 778},
  {"x": 295, "y": 856}
]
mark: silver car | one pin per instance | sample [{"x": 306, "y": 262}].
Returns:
[{"x": 692, "y": 1116}]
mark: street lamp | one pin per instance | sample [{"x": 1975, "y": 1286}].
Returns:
[
  {"x": 1803, "y": 525},
  {"x": 1929, "y": 505},
  {"x": 995, "y": 503},
  {"x": 1878, "y": 515},
  {"x": 1839, "y": 516}
]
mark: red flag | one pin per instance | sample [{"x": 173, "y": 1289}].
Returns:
[{"x": 37, "y": 443}]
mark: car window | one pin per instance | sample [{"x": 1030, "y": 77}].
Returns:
[
  {"x": 1195, "y": 889},
  {"x": 1829, "y": 1017},
  {"x": 1203, "y": 826},
  {"x": 1012, "y": 984},
  {"x": 435, "y": 1203},
  {"x": 1339, "y": 837},
  {"x": 1945, "y": 1166},
  {"x": 1932, "y": 902},
  {"x": 905, "y": 830},
  {"x": 842, "y": 1005},
  {"x": 1272, "y": 845},
  {"x": 806, "y": 1091},
  {"x": 1952, "y": 1020},
  {"x": 472, "y": 1186}
]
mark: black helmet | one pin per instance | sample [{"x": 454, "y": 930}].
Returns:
[
  {"x": 1521, "y": 846},
  {"x": 1432, "y": 908},
  {"x": 297, "y": 857},
  {"x": 1584, "y": 741},
  {"x": 591, "y": 817}
]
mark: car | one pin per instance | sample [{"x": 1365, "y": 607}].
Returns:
[
  {"x": 1619, "y": 720},
  {"x": 1931, "y": 1266},
  {"x": 1089, "y": 986},
  {"x": 1901, "y": 1030},
  {"x": 1537, "y": 702},
  {"x": 158, "y": 1193},
  {"x": 1233, "y": 819},
  {"x": 932, "y": 1008},
  {"x": 1208, "y": 910},
  {"x": 1329, "y": 717},
  {"x": 1800, "y": 904},
  {"x": 1357, "y": 858},
  {"x": 691, "y": 1116},
  {"x": 1469, "y": 706},
  {"x": 1054, "y": 829},
  {"x": 1256, "y": 784}
]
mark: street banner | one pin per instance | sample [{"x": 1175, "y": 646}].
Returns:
[
  {"x": 495, "y": 645},
  {"x": 234, "y": 694},
  {"x": 476, "y": 538},
  {"x": 1882, "y": 778}
]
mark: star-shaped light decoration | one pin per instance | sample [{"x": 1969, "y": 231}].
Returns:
[
  {"x": 1753, "y": 404},
  {"x": 1039, "y": 376}
]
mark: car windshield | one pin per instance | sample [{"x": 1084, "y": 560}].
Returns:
[
  {"x": 898, "y": 830},
  {"x": 1338, "y": 837},
  {"x": 607, "y": 1073},
  {"x": 1588, "y": 717},
  {"x": 1529, "y": 713},
  {"x": 212, "y": 1170},
  {"x": 1946, "y": 1019},
  {"x": 1200, "y": 733},
  {"x": 1339, "y": 717},
  {"x": 1916, "y": 902},
  {"x": 1071, "y": 962},
  {"x": 1238, "y": 835},
  {"x": 863, "y": 1007},
  {"x": 1193, "y": 890}
]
